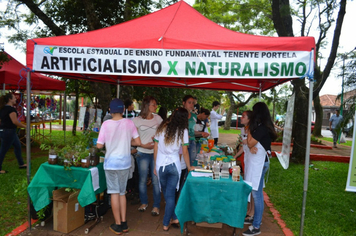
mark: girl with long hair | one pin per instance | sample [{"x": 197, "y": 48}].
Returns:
[
  {"x": 261, "y": 133},
  {"x": 147, "y": 123},
  {"x": 170, "y": 136},
  {"x": 8, "y": 126}
]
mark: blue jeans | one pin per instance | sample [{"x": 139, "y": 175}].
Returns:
[
  {"x": 192, "y": 149},
  {"x": 8, "y": 138},
  {"x": 335, "y": 136},
  {"x": 145, "y": 163},
  {"x": 258, "y": 199},
  {"x": 169, "y": 179},
  {"x": 198, "y": 146}
]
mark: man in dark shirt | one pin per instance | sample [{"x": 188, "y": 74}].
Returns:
[{"x": 129, "y": 113}]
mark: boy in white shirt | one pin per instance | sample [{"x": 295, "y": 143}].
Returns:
[{"x": 118, "y": 134}]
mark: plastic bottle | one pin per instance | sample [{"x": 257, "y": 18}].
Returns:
[{"x": 210, "y": 143}]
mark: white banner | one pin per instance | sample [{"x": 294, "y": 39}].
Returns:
[
  {"x": 351, "y": 176},
  {"x": 81, "y": 117},
  {"x": 283, "y": 157},
  {"x": 222, "y": 64}
]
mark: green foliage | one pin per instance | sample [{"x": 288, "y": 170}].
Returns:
[
  {"x": 3, "y": 58},
  {"x": 20, "y": 188},
  {"x": 329, "y": 208},
  {"x": 315, "y": 140},
  {"x": 71, "y": 17},
  {"x": 252, "y": 17},
  {"x": 52, "y": 149},
  {"x": 41, "y": 214}
]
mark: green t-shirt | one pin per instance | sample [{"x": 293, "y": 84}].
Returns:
[{"x": 191, "y": 123}]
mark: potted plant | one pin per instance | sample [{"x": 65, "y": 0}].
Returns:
[
  {"x": 85, "y": 159},
  {"x": 66, "y": 154},
  {"x": 76, "y": 158},
  {"x": 52, "y": 153}
]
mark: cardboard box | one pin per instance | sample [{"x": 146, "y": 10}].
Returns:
[
  {"x": 67, "y": 212},
  {"x": 204, "y": 224}
]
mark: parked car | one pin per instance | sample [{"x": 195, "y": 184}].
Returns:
[
  {"x": 234, "y": 117},
  {"x": 67, "y": 115}
]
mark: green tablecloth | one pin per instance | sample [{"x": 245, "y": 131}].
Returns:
[
  {"x": 48, "y": 177},
  {"x": 203, "y": 199}
]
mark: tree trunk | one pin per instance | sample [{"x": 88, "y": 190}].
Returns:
[
  {"x": 103, "y": 93},
  {"x": 320, "y": 77},
  {"x": 281, "y": 20},
  {"x": 318, "y": 117},
  {"x": 300, "y": 120},
  {"x": 229, "y": 112},
  {"x": 76, "y": 107}
]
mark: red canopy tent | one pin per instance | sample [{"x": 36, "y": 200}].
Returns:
[
  {"x": 13, "y": 76},
  {"x": 174, "y": 47},
  {"x": 177, "y": 47}
]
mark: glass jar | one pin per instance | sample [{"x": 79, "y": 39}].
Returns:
[
  {"x": 85, "y": 162},
  {"x": 94, "y": 159},
  {"x": 236, "y": 172},
  {"x": 52, "y": 159},
  {"x": 216, "y": 171}
]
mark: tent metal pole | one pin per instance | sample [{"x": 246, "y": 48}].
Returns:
[
  {"x": 28, "y": 141},
  {"x": 65, "y": 115},
  {"x": 307, "y": 156},
  {"x": 260, "y": 93},
  {"x": 118, "y": 91}
]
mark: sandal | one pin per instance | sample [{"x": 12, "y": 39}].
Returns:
[
  {"x": 155, "y": 211},
  {"x": 3, "y": 171},
  {"x": 23, "y": 166},
  {"x": 143, "y": 207},
  {"x": 175, "y": 223},
  {"x": 165, "y": 228}
]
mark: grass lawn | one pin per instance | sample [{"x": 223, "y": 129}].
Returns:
[
  {"x": 348, "y": 142},
  {"x": 330, "y": 211},
  {"x": 13, "y": 195}
]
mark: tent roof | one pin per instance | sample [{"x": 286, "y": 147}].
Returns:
[
  {"x": 179, "y": 27},
  {"x": 13, "y": 75}
]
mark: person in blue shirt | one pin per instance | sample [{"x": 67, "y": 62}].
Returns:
[{"x": 335, "y": 121}]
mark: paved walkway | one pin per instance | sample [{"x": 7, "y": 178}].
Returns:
[{"x": 145, "y": 224}]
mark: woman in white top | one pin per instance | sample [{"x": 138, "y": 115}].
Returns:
[
  {"x": 147, "y": 124},
  {"x": 170, "y": 136},
  {"x": 245, "y": 119}
]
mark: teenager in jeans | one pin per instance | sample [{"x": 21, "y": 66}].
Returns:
[
  {"x": 147, "y": 123},
  {"x": 170, "y": 136},
  {"x": 116, "y": 134},
  {"x": 261, "y": 133}
]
